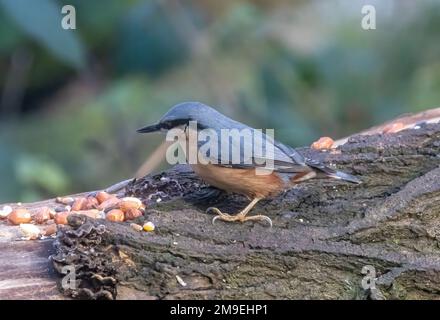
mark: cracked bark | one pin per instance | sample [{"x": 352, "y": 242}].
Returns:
[{"x": 324, "y": 233}]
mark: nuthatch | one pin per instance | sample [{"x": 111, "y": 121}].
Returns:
[{"x": 240, "y": 175}]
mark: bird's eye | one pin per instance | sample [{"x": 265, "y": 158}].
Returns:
[{"x": 166, "y": 125}]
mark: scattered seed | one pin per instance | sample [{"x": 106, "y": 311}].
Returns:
[
  {"x": 323, "y": 143},
  {"x": 132, "y": 214},
  {"x": 111, "y": 202},
  {"x": 130, "y": 203},
  {"x": 61, "y": 217},
  {"x": 79, "y": 204},
  {"x": 30, "y": 231},
  {"x": 148, "y": 226},
  {"x": 20, "y": 215},
  {"x": 91, "y": 203},
  {"x": 43, "y": 214},
  {"x": 180, "y": 281},
  {"x": 136, "y": 227},
  {"x": 102, "y": 196},
  {"x": 5, "y": 211},
  {"x": 115, "y": 215}
]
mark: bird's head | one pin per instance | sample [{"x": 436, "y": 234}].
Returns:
[{"x": 182, "y": 113}]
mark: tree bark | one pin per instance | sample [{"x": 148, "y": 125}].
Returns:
[{"x": 325, "y": 232}]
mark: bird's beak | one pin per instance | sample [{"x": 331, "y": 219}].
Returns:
[{"x": 151, "y": 128}]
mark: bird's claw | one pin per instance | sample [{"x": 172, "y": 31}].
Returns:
[
  {"x": 238, "y": 217},
  {"x": 260, "y": 217},
  {"x": 214, "y": 219},
  {"x": 216, "y": 211},
  {"x": 219, "y": 215}
]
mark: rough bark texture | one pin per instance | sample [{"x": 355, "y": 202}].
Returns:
[{"x": 324, "y": 233}]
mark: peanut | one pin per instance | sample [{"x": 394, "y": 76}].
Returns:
[
  {"x": 132, "y": 214},
  {"x": 130, "y": 203},
  {"x": 19, "y": 215},
  {"x": 101, "y": 196},
  {"x": 42, "y": 215},
  {"x": 61, "y": 217},
  {"x": 115, "y": 215},
  {"x": 323, "y": 143}
]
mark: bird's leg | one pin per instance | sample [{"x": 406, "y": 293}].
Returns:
[{"x": 241, "y": 216}]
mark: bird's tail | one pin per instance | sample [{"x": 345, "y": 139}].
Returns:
[{"x": 332, "y": 173}]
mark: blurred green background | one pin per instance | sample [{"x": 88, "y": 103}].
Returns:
[{"x": 70, "y": 100}]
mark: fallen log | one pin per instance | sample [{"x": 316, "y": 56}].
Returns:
[{"x": 330, "y": 239}]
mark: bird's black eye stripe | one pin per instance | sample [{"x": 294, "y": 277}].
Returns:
[
  {"x": 169, "y": 124},
  {"x": 175, "y": 123}
]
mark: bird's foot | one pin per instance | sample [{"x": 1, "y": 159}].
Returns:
[{"x": 240, "y": 217}]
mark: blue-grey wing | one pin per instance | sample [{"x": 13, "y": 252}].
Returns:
[{"x": 250, "y": 148}]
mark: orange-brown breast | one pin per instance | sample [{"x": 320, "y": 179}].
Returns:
[{"x": 243, "y": 181}]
